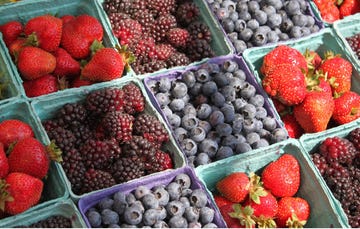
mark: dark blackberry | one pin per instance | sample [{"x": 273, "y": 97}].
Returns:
[
  {"x": 127, "y": 31},
  {"x": 336, "y": 149},
  {"x": 160, "y": 161},
  {"x": 95, "y": 179},
  {"x": 63, "y": 138},
  {"x": 354, "y": 137},
  {"x": 161, "y": 7},
  {"x": 138, "y": 146},
  {"x": 57, "y": 221},
  {"x": 144, "y": 49},
  {"x": 177, "y": 59},
  {"x": 82, "y": 133},
  {"x": 151, "y": 66},
  {"x": 74, "y": 169},
  {"x": 150, "y": 128},
  {"x": 105, "y": 100},
  {"x": 146, "y": 19},
  {"x": 99, "y": 154},
  {"x": 199, "y": 49},
  {"x": 137, "y": 6},
  {"x": 115, "y": 6},
  {"x": 162, "y": 26},
  {"x": 199, "y": 30},
  {"x": 118, "y": 125},
  {"x": 186, "y": 13},
  {"x": 320, "y": 162},
  {"x": 134, "y": 99},
  {"x": 52, "y": 124},
  {"x": 127, "y": 168},
  {"x": 72, "y": 114},
  {"x": 354, "y": 42},
  {"x": 338, "y": 179}
]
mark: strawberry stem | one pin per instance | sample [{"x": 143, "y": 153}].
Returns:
[
  {"x": 244, "y": 215},
  {"x": 256, "y": 188},
  {"x": 54, "y": 152},
  {"x": 4, "y": 194}
]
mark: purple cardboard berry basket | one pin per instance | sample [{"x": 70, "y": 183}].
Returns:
[
  {"x": 176, "y": 74},
  {"x": 151, "y": 181}
]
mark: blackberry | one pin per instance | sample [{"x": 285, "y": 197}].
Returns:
[
  {"x": 52, "y": 124},
  {"x": 127, "y": 168},
  {"x": 99, "y": 154},
  {"x": 105, "y": 100},
  {"x": 150, "y": 128},
  {"x": 82, "y": 133},
  {"x": 127, "y": 30},
  {"x": 198, "y": 49},
  {"x": 63, "y": 138},
  {"x": 138, "y": 146},
  {"x": 336, "y": 149},
  {"x": 57, "y": 221},
  {"x": 320, "y": 162},
  {"x": 118, "y": 125},
  {"x": 146, "y": 19},
  {"x": 72, "y": 114},
  {"x": 137, "y": 6},
  {"x": 95, "y": 179},
  {"x": 178, "y": 37},
  {"x": 162, "y": 26},
  {"x": 114, "y": 6},
  {"x": 199, "y": 30},
  {"x": 178, "y": 59},
  {"x": 186, "y": 13},
  {"x": 158, "y": 162},
  {"x": 354, "y": 137},
  {"x": 151, "y": 66},
  {"x": 354, "y": 42},
  {"x": 134, "y": 99},
  {"x": 164, "y": 51},
  {"x": 74, "y": 169},
  {"x": 161, "y": 7}
]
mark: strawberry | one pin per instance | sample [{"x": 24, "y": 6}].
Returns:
[
  {"x": 79, "y": 82},
  {"x": 13, "y": 130},
  {"x": 318, "y": 83},
  {"x": 79, "y": 34},
  {"x": 329, "y": 11},
  {"x": 338, "y": 72},
  {"x": 43, "y": 85},
  {"x": 106, "y": 64},
  {"x": 286, "y": 83},
  {"x": 221, "y": 201},
  {"x": 313, "y": 59},
  {"x": 293, "y": 212},
  {"x": 230, "y": 221},
  {"x": 67, "y": 17},
  {"x": 236, "y": 216},
  {"x": 29, "y": 156},
  {"x": 347, "y": 108},
  {"x": 19, "y": 192},
  {"x": 34, "y": 62},
  {"x": 65, "y": 64},
  {"x": 15, "y": 47},
  {"x": 282, "y": 176},
  {"x": 315, "y": 112},
  {"x": 11, "y": 31},
  {"x": 44, "y": 31},
  {"x": 4, "y": 164},
  {"x": 348, "y": 7},
  {"x": 292, "y": 126},
  {"x": 234, "y": 187},
  {"x": 283, "y": 54}
]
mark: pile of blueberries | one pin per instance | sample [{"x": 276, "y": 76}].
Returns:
[
  {"x": 250, "y": 23},
  {"x": 174, "y": 205},
  {"x": 215, "y": 112}
]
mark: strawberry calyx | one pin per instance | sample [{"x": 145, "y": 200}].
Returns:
[
  {"x": 4, "y": 194},
  {"x": 96, "y": 46},
  {"x": 244, "y": 214},
  {"x": 256, "y": 189},
  {"x": 32, "y": 40},
  {"x": 265, "y": 222},
  {"x": 294, "y": 222},
  {"x": 54, "y": 152},
  {"x": 128, "y": 56}
]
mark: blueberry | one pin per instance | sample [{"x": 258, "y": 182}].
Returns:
[
  {"x": 194, "y": 224},
  {"x": 292, "y": 7},
  {"x": 244, "y": 15},
  {"x": 114, "y": 226},
  {"x": 177, "y": 222},
  {"x": 249, "y": 111},
  {"x": 125, "y": 225},
  {"x": 274, "y": 20},
  {"x": 241, "y": 6},
  {"x": 249, "y": 126},
  {"x": 207, "y": 215},
  {"x": 284, "y": 37},
  {"x": 150, "y": 201},
  {"x": 315, "y": 28},
  {"x": 167, "y": 111},
  {"x": 252, "y": 137},
  {"x": 230, "y": 141},
  {"x": 262, "y": 142},
  {"x": 229, "y": 113},
  {"x": 279, "y": 135},
  {"x": 233, "y": 36},
  {"x": 240, "y": 138},
  {"x": 161, "y": 194},
  {"x": 216, "y": 117},
  {"x": 189, "y": 109},
  {"x": 237, "y": 83},
  {"x": 185, "y": 201},
  {"x": 174, "y": 208},
  {"x": 261, "y": 113},
  {"x": 295, "y": 31},
  {"x": 264, "y": 29},
  {"x": 239, "y": 104},
  {"x": 174, "y": 120},
  {"x": 189, "y": 121},
  {"x": 133, "y": 215},
  {"x": 179, "y": 90},
  {"x": 257, "y": 100},
  {"x": 228, "y": 25},
  {"x": 286, "y": 25},
  {"x": 237, "y": 126},
  {"x": 210, "y": 225},
  {"x": 205, "y": 125},
  {"x": 240, "y": 46},
  {"x": 188, "y": 77},
  {"x": 164, "y": 84},
  {"x": 221, "y": 80},
  {"x": 141, "y": 191},
  {"x": 275, "y": 3},
  {"x": 222, "y": 13},
  {"x": 109, "y": 216},
  {"x": 310, "y": 21},
  {"x": 163, "y": 98},
  {"x": 184, "y": 180},
  {"x": 264, "y": 133},
  {"x": 120, "y": 203},
  {"x": 234, "y": 15},
  {"x": 269, "y": 123},
  {"x": 299, "y": 20},
  {"x": 229, "y": 66},
  {"x": 197, "y": 134},
  {"x": 246, "y": 34},
  {"x": 240, "y": 25},
  {"x": 260, "y": 16},
  {"x": 177, "y": 105},
  {"x": 213, "y": 135},
  {"x": 202, "y": 159},
  {"x": 138, "y": 204},
  {"x": 248, "y": 91},
  {"x": 252, "y": 24},
  {"x": 105, "y": 203},
  {"x": 268, "y": 9},
  {"x": 174, "y": 190},
  {"x": 186, "y": 98},
  {"x": 217, "y": 99},
  {"x": 192, "y": 214},
  {"x": 258, "y": 125},
  {"x": 189, "y": 146},
  {"x": 162, "y": 213},
  {"x": 224, "y": 152},
  {"x": 198, "y": 198},
  {"x": 209, "y": 146},
  {"x": 228, "y": 92},
  {"x": 303, "y": 5},
  {"x": 230, "y": 5},
  {"x": 202, "y": 75},
  {"x": 180, "y": 133},
  {"x": 150, "y": 217},
  {"x": 161, "y": 224},
  {"x": 259, "y": 38},
  {"x": 305, "y": 31},
  {"x": 209, "y": 88},
  {"x": 223, "y": 129},
  {"x": 130, "y": 198},
  {"x": 243, "y": 148},
  {"x": 253, "y": 6},
  {"x": 94, "y": 218}
]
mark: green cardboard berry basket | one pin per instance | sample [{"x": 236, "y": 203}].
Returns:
[
  {"x": 47, "y": 107},
  {"x": 65, "y": 208},
  {"x": 345, "y": 28},
  {"x": 24, "y": 10},
  {"x": 54, "y": 184},
  {"x": 311, "y": 142},
  {"x": 323, "y": 210}
]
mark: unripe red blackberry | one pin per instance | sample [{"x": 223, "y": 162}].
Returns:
[
  {"x": 134, "y": 99},
  {"x": 105, "y": 100}
]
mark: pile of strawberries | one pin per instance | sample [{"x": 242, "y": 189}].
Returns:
[
  {"x": 24, "y": 163},
  {"x": 268, "y": 201},
  {"x": 54, "y": 53},
  {"x": 310, "y": 93},
  {"x": 332, "y": 10}
]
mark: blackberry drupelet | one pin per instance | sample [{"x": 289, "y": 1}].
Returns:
[
  {"x": 96, "y": 179},
  {"x": 199, "y": 49},
  {"x": 134, "y": 99},
  {"x": 199, "y": 30},
  {"x": 178, "y": 59},
  {"x": 118, "y": 125},
  {"x": 57, "y": 221},
  {"x": 105, "y": 100},
  {"x": 127, "y": 168},
  {"x": 138, "y": 146},
  {"x": 74, "y": 168},
  {"x": 63, "y": 138}
]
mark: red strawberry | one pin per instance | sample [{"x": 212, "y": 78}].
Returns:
[
  {"x": 286, "y": 83},
  {"x": 19, "y": 192},
  {"x": 338, "y": 72},
  {"x": 318, "y": 84},
  {"x": 221, "y": 201},
  {"x": 292, "y": 126},
  {"x": 4, "y": 164},
  {"x": 106, "y": 64},
  {"x": 65, "y": 64},
  {"x": 15, "y": 47},
  {"x": 44, "y": 32},
  {"x": 79, "y": 82},
  {"x": 314, "y": 113},
  {"x": 293, "y": 212},
  {"x": 283, "y": 54},
  {"x": 79, "y": 34},
  {"x": 29, "y": 156},
  {"x": 11, "y": 31},
  {"x": 349, "y": 7},
  {"x": 34, "y": 62},
  {"x": 329, "y": 11},
  {"x": 43, "y": 85},
  {"x": 66, "y": 18},
  {"x": 313, "y": 59},
  {"x": 347, "y": 108},
  {"x": 236, "y": 216},
  {"x": 282, "y": 177},
  {"x": 234, "y": 187},
  {"x": 13, "y": 130}
]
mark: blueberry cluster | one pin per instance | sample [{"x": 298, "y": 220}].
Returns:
[
  {"x": 215, "y": 112},
  {"x": 174, "y": 205},
  {"x": 250, "y": 23}
]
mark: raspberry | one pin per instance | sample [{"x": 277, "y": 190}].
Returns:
[
  {"x": 178, "y": 37},
  {"x": 134, "y": 99},
  {"x": 95, "y": 179},
  {"x": 336, "y": 149},
  {"x": 117, "y": 125}
]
